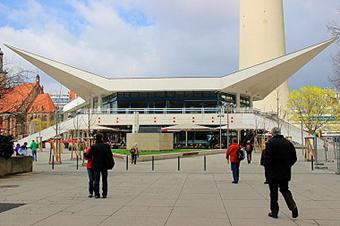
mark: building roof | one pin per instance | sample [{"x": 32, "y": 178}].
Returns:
[
  {"x": 42, "y": 104},
  {"x": 257, "y": 81},
  {"x": 12, "y": 100}
]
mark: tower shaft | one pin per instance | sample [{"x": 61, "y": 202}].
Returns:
[{"x": 262, "y": 38}]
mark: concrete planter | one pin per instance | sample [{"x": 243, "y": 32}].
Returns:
[{"x": 15, "y": 165}]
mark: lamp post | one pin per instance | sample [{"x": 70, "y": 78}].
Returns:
[
  {"x": 220, "y": 116},
  {"x": 227, "y": 105}
]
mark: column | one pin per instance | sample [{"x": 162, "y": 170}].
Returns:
[{"x": 238, "y": 101}]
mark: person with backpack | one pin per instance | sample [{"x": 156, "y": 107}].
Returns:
[
  {"x": 235, "y": 155},
  {"x": 34, "y": 147},
  {"x": 278, "y": 158},
  {"x": 134, "y": 154},
  {"x": 23, "y": 150},
  {"x": 102, "y": 157},
  {"x": 249, "y": 149}
]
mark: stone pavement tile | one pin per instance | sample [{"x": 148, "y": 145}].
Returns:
[
  {"x": 98, "y": 210},
  {"x": 196, "y": 221},
  {"x": 141, "y": 201},
  {"x": 244, "y": 203},
  {"x": 303, "y": 222},
  {"x": 247, "y": 213},
  {"x": 262, "y": 222},
  {"x": 37, "y": 209},
  {"x": 7, "y": 219},
  {"x": 199, "y": 211},
  {"x": 133, "y": 220},
  {"x": 241, "y": 195},
  {"x": 328, "y": 222},
  {"x": 311, "y": 204},
  {"x": 70, "y": 220},
  {"x": 144, "y": 211},
  {"x": 319, "y": 214},
  {"x": 202, "y": 203}
]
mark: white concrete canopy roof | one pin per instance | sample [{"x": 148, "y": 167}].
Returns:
[{"x": 257, "y": 81}]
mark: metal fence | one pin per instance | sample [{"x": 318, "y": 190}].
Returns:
[{"x": 328, "y": 154}]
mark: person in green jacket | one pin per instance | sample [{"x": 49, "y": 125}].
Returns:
[{"x": 34, "y": 147}]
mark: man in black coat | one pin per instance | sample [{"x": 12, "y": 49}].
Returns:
[
  {"x": 101, "y": 153},
  {"x": 278, "y": 158}
]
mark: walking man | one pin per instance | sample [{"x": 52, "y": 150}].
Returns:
[
  {"x": 278, "y": 158},
  {"x": 34, "y": 148},
  {"x": 232, "y": 157},
  {"x": 101, "y": 155}
]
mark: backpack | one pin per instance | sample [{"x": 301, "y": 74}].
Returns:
[
  {"x": 240, "y": 154},
  {"x": 109, "y": 161}
]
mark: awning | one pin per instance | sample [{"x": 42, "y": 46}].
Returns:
[{"x": 185, "y": 127}]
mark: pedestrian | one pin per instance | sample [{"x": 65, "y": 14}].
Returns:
[
  {"x": 278, "y": 158},
  {"x": 23, "y": 149},
  {"x": 101, "y": 154},
  {"x": 90, "y": 172},
  {"x": 34, "y": 148},
  {"x": 232, "y": 157},
  {"x": 16, "y": 149},
  {"x": 262, "y": 163},
  {"x": 134, "y": 153},
  {"x": 249, "y": 150}
]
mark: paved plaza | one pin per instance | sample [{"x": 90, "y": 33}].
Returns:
[{"x": 166, "y": 196}]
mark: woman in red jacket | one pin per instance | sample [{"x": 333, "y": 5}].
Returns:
[
  {"x": 231, "y": 156},
  {"x": 90, "y": 172}
]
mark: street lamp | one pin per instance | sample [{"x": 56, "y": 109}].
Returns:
[{"x": 220, "y": 116}]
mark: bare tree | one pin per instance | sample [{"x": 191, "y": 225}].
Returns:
[
  {"x": 335, "y": 31},
  {"x": 13, "y": 77}
]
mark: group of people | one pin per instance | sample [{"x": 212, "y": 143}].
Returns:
[
  {"x": 99, "y": 161},
  {"x": 22, "y": 150},
  {"x": 277, "y": 158}
]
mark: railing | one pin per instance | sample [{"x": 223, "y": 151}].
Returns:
[{"x": 170, "y": 110}]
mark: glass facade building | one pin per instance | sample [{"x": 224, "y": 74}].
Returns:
[{"x": 171, "y": 99}]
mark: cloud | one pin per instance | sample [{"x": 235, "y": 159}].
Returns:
[{"x": 143, "y": 37}]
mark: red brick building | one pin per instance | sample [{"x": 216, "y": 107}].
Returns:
[{"x": 22, "y": 104}]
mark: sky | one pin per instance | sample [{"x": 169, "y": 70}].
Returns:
[{"x": 117, "y": 38}]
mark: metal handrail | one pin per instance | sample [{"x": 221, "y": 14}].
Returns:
[{"x": 169, "y": 110}]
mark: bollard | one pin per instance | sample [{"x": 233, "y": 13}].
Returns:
[
  {"x": 127, "y": 162},
  {"x": 312, "y": 162},
  {"x": 205, "y": 163},
  {"x": 153, "y": 163},
  {"x": 178, "y": 163},
  {"x": 52, "y": 162},
  {"x": 77, "y": 161}
]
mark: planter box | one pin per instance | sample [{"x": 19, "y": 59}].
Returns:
[{"x": 16, "y": 164}]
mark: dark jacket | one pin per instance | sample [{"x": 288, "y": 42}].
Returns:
[
  {"x": 278, "y": 158},
  {"x": 100, "y": 152}
]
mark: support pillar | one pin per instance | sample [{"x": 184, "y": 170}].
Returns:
[{"x": 238, "y": 102}]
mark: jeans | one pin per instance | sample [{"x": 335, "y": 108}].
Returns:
[
  {"x": 287, "y": 195},
  {"x": 90, "y": 173},
  {"x": 97, "y": 173},
  {"x": 235, "y": 168},
  {"x": 34, "y": 155},
  {"x": 133, "y": 158},
  {"x": 249, "y": 156}
]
